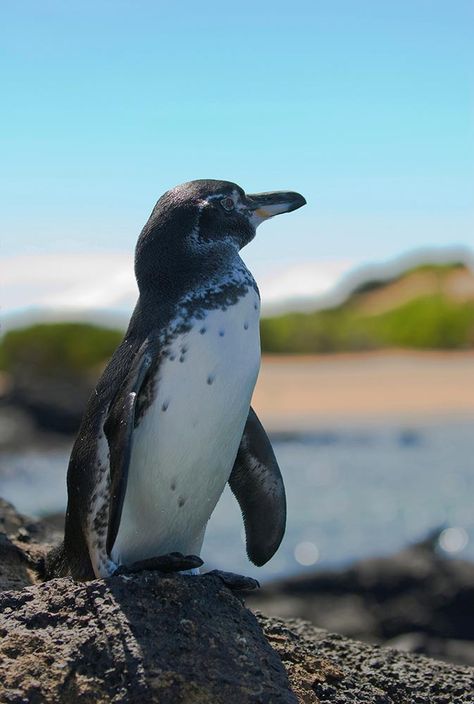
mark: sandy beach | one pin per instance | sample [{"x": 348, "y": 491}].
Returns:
[{"x": 296, "y": 392}]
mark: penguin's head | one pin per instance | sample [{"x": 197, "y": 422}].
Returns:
[
  {"x": 207, "y": 211},
  {"x": 227, "y": 212},
  {"x": 204, "y": 218}
]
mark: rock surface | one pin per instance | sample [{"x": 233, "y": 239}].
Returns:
[
  {"x": 417, "y": 600},
  {"x": 23, "y": 541},
  {"x": 189, "y": 639},
  {"x": 184, "y": 639},
  {"x": 326, "y": 668},
  {"x": 149, "y": 638},
  {"x": 52, "y": 404}
]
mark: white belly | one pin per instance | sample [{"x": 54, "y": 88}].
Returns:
[{"x": 186, "y": 443}]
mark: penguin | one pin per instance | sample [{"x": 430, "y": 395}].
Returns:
[{"x": 169, "y": 422}]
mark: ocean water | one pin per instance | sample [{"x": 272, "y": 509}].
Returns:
[{"x": 354, "y": 491}]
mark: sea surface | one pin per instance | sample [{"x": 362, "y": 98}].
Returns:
[{"x": 354, "y": 490}]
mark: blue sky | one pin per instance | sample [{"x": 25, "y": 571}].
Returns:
[{"x": 366, "y": 107}]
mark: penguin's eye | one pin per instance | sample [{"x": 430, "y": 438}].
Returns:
[{"x": 227, "y": 203}]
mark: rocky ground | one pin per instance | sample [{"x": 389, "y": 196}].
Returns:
[
  {"x": 185, "y": 639},
  {"x": 417, "y": 601},
  {"x": 38, "y": 404}
]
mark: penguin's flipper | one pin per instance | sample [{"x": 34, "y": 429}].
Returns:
[
  {"x": 118, "y": 429},
  {"x": 257, "y": 484}
]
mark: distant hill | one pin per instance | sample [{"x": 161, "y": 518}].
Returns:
[
  {"x": 425, "y": 307},
  {"x": 60, "y": 349}
]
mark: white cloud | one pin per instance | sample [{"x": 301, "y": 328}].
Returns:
[
  {"x": 82, "y": 281},
  {"x": 302, "y": 281},
  {"x": 102, "y": 280}
]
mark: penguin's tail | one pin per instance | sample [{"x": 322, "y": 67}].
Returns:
[{"x": 53, "y": 564}]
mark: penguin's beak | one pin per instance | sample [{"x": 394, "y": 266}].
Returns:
[{"x": 266, "y": 205}]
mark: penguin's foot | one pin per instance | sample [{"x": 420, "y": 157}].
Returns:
[
  {"x": 236, "y": 582},
  {"x": 173, "y": 562}
]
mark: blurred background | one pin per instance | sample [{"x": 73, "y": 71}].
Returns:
[{"x": 367, "y": 379}]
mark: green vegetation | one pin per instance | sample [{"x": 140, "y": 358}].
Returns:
[
  {"x": 432, "y": 319},
  {"x": 60, "y": 349},
  {"x": 424, "y": 323}
]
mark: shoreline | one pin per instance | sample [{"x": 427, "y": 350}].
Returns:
[{"x": 299, "y": 392}]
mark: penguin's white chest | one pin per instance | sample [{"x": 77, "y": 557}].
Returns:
[{"x": 186, "y": 442}]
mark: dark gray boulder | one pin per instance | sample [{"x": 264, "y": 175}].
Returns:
[
  {"x": 183, "y": 640},
  {"x": 325, "y": 668},
  {"x": 417, "y": 600},
  {"x": 23, "y": 543},
  {"x": 141, "y": 639}
]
